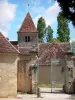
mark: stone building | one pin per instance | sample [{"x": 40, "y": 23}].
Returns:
[
  {"x": 18, "y": 57},
  {"x": 27, "y": 46},
  {"x": 9, "y": 57},
  {"x": 16, "y": 60}
]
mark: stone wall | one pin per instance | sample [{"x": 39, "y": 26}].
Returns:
[
  {"x": 26, "y": 78},
  {"x": 69, "y": 74},
  {"x": 8, "y": 75},
  {"x": 33, "y": 40},
  {"x": 74, "y": 77},
  {"x": 33, "y": 74}
]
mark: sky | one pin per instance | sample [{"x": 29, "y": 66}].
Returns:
[{"x": 13, "y": 12}]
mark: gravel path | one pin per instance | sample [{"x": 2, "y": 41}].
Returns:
[{"x": 44, "y": 96}]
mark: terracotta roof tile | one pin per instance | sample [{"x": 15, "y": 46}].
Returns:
[
  {"x": 6, "y": 46},
  {"x": 27, "y": 25},
  {"x": 24, "y": 50},
  {"x": 49, "y": 51}
]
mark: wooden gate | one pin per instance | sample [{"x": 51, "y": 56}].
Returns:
[{"x": 24, "y": 81}]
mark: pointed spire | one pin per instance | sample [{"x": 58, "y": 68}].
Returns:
[{"x": 28, "y": 25}]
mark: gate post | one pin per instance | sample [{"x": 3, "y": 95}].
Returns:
[{"x": 68, "y": 71}]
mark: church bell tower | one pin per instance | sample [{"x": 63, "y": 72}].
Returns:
[{"x": 27, "y": 34}]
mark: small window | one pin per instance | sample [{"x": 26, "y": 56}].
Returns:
[{"x": 27, "y": 38}]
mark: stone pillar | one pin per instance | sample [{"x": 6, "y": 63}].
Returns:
[
  {"x": 34, "y": 81},
  {"x": 69, "y": 66}
]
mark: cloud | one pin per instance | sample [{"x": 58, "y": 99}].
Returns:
[
  {"x": 34, "y": 7},
  {"x": 37, "y": 8},
  {"x": 7, "y": 14},
  {"x": 36, "y": 19},
  {"x": 2, "y": 1},
  {"x": 50, "y": 14}
]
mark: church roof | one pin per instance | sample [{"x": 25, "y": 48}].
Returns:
[
  {"x": 27, "y": 25},
  {"x": 6, "y": 46}
]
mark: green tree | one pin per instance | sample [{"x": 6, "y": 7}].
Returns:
[
  {"x": 63, "y": 30},
  {"x": 68, "y": 9},
  {"x": 41, "y": 25},
  {"x": 49, "y": 34}
]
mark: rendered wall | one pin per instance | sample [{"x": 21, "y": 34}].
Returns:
[
  {"x": 8, "y": 75},
  {"x": 45, "y": 75}
]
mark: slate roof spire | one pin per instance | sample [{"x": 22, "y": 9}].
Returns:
[{"x": 28, "y": 25}]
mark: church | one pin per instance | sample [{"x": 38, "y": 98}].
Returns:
[{"x": 17, "y": 58}]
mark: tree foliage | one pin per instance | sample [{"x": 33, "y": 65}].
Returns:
[
  {"x": 63, "y": 30},
  {"x": 68, "y": 9},
  {"x": 41, "y": 25},
  {"x": 49, "y": 34}
]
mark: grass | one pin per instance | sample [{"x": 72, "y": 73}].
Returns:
[{"x": 49, "y": 85}]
